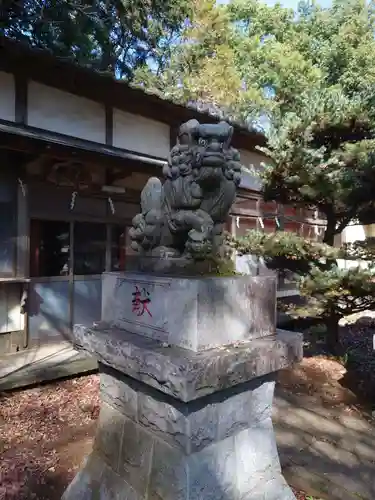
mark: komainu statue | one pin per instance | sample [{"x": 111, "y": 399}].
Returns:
[{"x": 185, "y": 216}]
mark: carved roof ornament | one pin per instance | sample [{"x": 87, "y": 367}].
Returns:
[{"x": 70, "y": 173}]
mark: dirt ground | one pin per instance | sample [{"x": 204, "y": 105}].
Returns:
[
  {"x": 45, "y": 432},
  {"x": 322, "y": 378}
]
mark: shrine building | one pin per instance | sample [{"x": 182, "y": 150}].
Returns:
[{"x": 76, "y": 148}]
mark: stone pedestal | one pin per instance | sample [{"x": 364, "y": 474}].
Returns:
[
  {"x": 194, "y": 313},
  {"x": 182, "y": 425}
]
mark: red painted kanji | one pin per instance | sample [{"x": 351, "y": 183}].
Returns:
[{"x": 141, "y": 300}]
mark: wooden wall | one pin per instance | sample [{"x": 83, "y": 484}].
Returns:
[{"x": 7, "y": 96}]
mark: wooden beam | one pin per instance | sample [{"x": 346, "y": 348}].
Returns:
[
  {"x": 23, "y": 233},
  {"x": 246, "y": 212},
  {"x": 34, "y": 140}
]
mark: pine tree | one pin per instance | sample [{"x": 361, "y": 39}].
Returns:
[
  {"x": 308, "y": 76},
  {"x": 329, "y": 292},
  {"x": 200, "y": 56}
]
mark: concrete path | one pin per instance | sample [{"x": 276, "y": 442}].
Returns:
[{"x": 327, "y": 451}]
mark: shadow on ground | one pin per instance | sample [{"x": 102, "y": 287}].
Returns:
[{"x": 326, "y": 441}]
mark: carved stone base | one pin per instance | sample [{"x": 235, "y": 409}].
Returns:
[
  {"x": 179, "y": 425},
  {"x": 152, "y": 446}
]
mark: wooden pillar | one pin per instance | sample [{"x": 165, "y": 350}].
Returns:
[{"x": 23, "y": 231}]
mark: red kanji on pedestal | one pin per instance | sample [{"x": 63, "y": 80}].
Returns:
[{"x": 141, "y": 299}]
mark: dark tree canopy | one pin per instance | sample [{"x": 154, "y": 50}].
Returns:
[{"x": 107, "y": 35}]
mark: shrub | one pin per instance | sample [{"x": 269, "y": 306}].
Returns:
[{"x": 329, "y": 292}]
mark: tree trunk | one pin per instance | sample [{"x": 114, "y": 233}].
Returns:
[
  {"x": 329, "y": 235},
  {"x": 333, "y": 336}
]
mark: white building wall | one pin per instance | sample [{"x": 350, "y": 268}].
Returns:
[
  {"x": 52, "y": 109},
  {"x": 352, "y": 264},
  {"x": 353, "y": 232},
  {"x": 356, "y": 232},
  {"x": 140, "y": 134},
  {"x": 253, "y": 163},
  {"x": 7, "y": 96}
]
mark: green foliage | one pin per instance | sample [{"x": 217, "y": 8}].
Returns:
[
  {"x": 329, "y": 292},
  {"x": 280, "y": 243},
  {"x": 361, "y": 250},
  {"x": 324, "y": 158},
  {"x": 116, "y": 36},
  {"x": 201, "y": 66},
  {"x": 307, "y": 76},
  {"x": 283, "y": 250},
  {"x": 318, "y": 331},
  {"x": 339, "y": 292},
  {"x": 222, "y": 268},
  {"x": 321, "y": 140},
  {"x": 213, "y": 266},
  {"x": 271, "y": 56}
]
